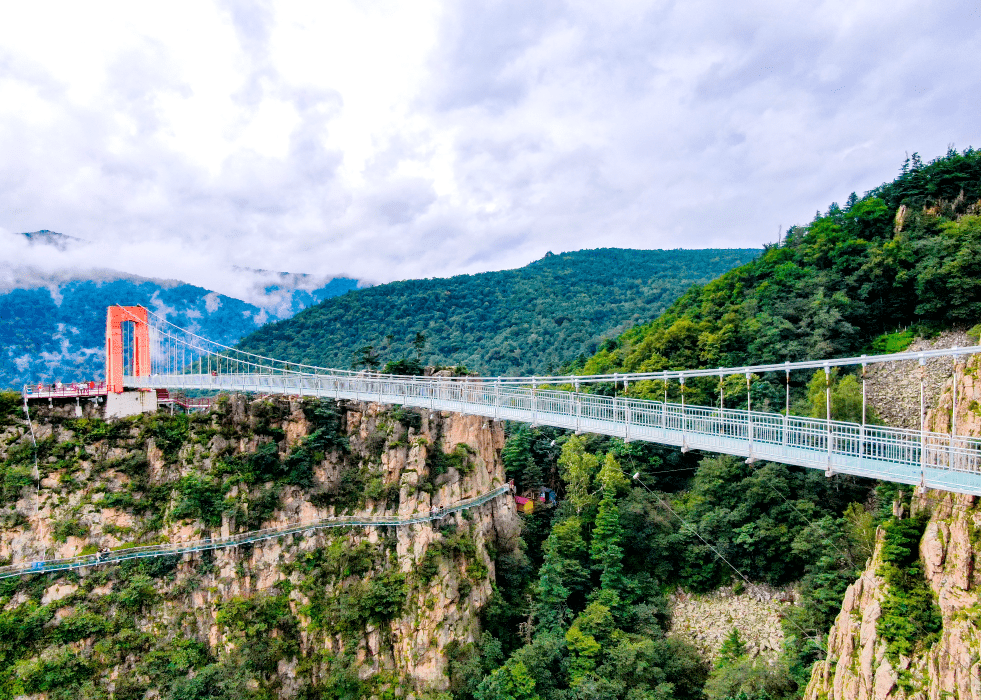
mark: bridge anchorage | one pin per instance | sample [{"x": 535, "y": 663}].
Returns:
[{"x": 147, "y": 355}]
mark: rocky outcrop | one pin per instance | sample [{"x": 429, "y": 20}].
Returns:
[
  {"x": 857, "y": 666},
  {"x": 382, "y": 603},
  {"x": 706, "y": 620},
  {"x": 894, "y": 387}
]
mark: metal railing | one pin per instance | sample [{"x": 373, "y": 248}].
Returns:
[
  {"x": 178, "y": 548},
  {"x": 931, "y": 459},
  {"x": 69, "y": 390}
]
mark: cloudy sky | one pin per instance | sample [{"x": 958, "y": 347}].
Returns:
[{"x": 386, "y": 140}]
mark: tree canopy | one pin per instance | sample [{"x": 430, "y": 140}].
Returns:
[{"x": 523, "y": 321}]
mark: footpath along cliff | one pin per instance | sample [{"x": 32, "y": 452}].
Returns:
[
  {"x": 910, "y": 627},
  {"x": 370, "y": 611}
]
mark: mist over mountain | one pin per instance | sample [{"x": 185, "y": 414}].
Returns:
[{"x": 52, "y": 314}]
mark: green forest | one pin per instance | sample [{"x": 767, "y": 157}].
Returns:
[
  {"x": 903, "y": 259},
  {"x": 58, "y": 333},
  {"x": 524, "y": 321},
  {"x": 582, "y": 612},
  {"x": 587, "y": 593}
]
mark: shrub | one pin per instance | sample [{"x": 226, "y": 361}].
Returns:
[
  {"x": 429, "y": 566},
  {"x": 81, "y": 625},
  {"x": 15, "y": 478},
  {"x": 910, "y": 616},
  {"x": 328, "y": 431},
  {"x": 409, "y": 418},
  {"x": 132, "y": 465},
  {"x": 376, "y": 600},
  {"x": 90, "y": 430},
  {"x": 56, "y": 668},
  {"x": 169, "y": 433},
  {"x": 199, "y": 498},
  {"x": 61, "y": 530},
  {"x": 751, "y": 679},
  {"x": 10, "y": 407}
]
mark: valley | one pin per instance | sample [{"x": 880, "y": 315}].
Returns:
[{"x": 814, "y": 584}]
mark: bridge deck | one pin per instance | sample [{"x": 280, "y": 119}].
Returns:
[{"x": 950, "y": 463}]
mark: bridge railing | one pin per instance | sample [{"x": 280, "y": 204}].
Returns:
[
  {"x": 761, "y": 432},
  {"x": 178, "y": 548}
]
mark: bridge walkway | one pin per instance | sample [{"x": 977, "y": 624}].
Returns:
[
  {"x": 179, "y": 548},
  {"x": 932, "y": 460}
]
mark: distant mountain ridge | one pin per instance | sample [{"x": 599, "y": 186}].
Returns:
[
  {"x": 528, "y": 320},
  {"x": 52, "y": 238}
]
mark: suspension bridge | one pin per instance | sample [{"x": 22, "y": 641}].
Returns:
[{"x": 146, "y": 352}]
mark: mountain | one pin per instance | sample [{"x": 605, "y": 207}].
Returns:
[
  {"x": 335, "y": 612},
  {"x": 52, "y": 321},
  {"x": 855, "y": 279},
  {"x": 528, "y": 320}
]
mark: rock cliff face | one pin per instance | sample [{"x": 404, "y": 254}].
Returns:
[
  {"x": 300, "y": 615},
  {"x": 857, "y": 665}
]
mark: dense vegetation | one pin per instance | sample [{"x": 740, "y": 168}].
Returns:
[
  {"x": 579, "y": 612},
  {"x": 124, "y": 615},
  {"x": 528, "y": 320},
  {"x": 908, "y": 253},
  {"x": 587, "y": 593}
]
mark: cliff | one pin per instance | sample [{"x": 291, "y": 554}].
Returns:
[
  {"x": 328, "y": 612},
  {"x": 938, "y": 659}
]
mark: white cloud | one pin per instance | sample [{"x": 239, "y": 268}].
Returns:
[{"x": 384, "y": 140}]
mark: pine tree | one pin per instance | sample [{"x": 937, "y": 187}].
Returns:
[
  {"x": 606, "y": 550},
  {"x": 550, "y": 606},
  {"x": 577, "y": 468},
  {"x": 519, "y": 462},
  {"x": 732, "y": 649}
]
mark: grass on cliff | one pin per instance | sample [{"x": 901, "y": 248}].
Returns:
[{"x": 911, "y": 619}]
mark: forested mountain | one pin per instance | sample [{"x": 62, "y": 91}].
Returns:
[
  {"x": 907, "y": 253},
  {"x": 58, "y": 333},
  {"x": 528, "y": 320},
  {"x": 61, "y": 336},
  {"x": 591, "y": 586}
]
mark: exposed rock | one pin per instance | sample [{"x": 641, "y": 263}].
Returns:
[
  {"x": 856, "y": 667},
  {"x": 706, "y": 620},
  {"x": 410, "y": 648},
  {"x": 894, "y": 387}
]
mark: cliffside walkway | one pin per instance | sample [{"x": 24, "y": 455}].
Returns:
[{"x": 179, "y": 548}]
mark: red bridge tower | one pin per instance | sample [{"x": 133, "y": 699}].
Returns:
[{"x": 139, "y": 353}]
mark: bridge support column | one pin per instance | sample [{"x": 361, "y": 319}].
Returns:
[
  {"x": 923, "y": 446},
  {"x": 861, "y": 433},
  {"x": 749, "y": 420},
  {"x": 116, "y": 316},
  {"x": 828, "y": 472},
  {"x": 534, "y": 402}
]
